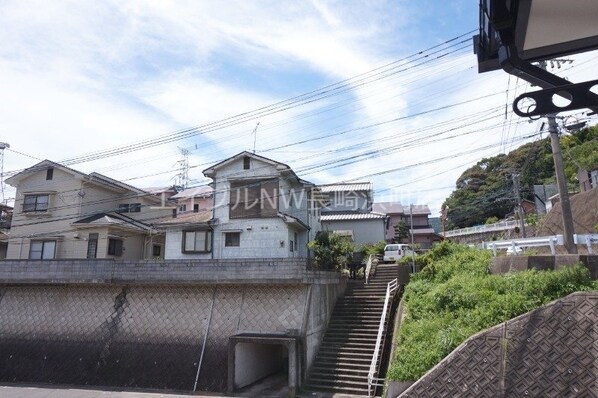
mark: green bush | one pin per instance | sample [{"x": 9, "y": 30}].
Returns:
[
  {"x": 331, "y": 251},
  {"x": 455, "y": 296},
  {"x": 373, "y": 248}
]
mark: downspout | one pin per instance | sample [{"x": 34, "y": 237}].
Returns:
[
  {"x": 81, "y": 194},
  {"x": 205, "y": 339},
  {"x": 21, "y": 247},
  {"x": 211, "y": 243}
]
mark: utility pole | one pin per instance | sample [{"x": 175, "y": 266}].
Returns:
[
  {"x": 562, "y": 184},
  {"x": 559, "y": 169},
  {"x": 3, "y": 146},
  {"x": 412, "y": 239},
  {"x": 519, "y": 207}
]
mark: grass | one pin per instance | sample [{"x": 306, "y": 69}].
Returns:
[{"x": 455, "y": 296}]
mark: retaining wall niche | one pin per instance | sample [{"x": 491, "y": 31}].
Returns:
[
  {"x": 549, "y": 352},
  {"x": 145, "y": 336}
]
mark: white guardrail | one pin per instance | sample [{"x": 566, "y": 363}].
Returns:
[
  {"x": 499, "y": 226},
  {"x": 587, "y": 240},
  {"x": 515, "y": 246},
  {"x": 374, "y": 381}
]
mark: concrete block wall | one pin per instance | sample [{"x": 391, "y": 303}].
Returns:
[
  {"x": 180, "y": 272},
  {"x": 148, "y": 336}
]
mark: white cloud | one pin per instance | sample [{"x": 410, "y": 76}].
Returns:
[{"x": 78, "y": 77}]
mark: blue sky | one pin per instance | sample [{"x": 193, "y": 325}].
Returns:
[{"x": 78, "y": 77}]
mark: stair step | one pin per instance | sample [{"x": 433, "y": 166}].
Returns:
[
  {"x": 357, "y": 392},
  {"x": 343, "y": 369},
  {"x": 345, "y": 355},
  {"x": 353, "y": 383}
]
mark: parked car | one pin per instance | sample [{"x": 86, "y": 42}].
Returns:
[{"x": 396, "y": 251}]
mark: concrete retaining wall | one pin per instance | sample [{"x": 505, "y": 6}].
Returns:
[
  {"x": 504, "y": 264},
  {"x": 548, "y": 352},
  {"x": 148, "y": 336}
]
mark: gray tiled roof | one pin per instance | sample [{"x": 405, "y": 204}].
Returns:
[
  {"x": 352, "y": 216},
  {"x": 398, "y": 208},
  {"x": 345, "y": 187}
]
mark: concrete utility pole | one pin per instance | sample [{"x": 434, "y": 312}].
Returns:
[
  {"x": 412, "y": 240},
  {"x": 559, "y": 169},
  {"x": 562, "y": 184},
  {"x": 519, "y": 207}
]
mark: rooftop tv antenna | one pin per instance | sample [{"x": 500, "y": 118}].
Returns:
[{"x": 255, "y": 135}]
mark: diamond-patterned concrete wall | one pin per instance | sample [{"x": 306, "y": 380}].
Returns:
[
  {"x": 549, "y": 352},
  {"x": 139, "y": 336}
]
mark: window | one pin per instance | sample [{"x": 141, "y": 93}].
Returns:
[
  {"x": 254, "y": 198},
  {"x": 183, "y": 208},
  {"x": 232, "y": 239},
  {"x": 115, "y": 247},
  {"x": 196, "y": 208},
  {"x": 35, "y": 203},
  {"x": 50, "y": 173},
  {"x": 129, "y": 208},
  {"x": 197, "y": 241},
  {"x": 246, "y": 163},
  {"x": 291, "y": 246},
  {"x": 42, "y": 249},
  {"x": 92, "y": 245},
  {"x": 156, "y": 250}
]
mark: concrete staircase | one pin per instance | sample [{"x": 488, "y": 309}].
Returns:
[{"x": 343, "y": 360}]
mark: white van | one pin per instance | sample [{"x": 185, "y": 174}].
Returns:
[{"x": 396, "y": 251}]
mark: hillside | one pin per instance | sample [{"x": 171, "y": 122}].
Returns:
[
  {"x": 485, "y": 190},
  {"x": 584, "y": 207}
]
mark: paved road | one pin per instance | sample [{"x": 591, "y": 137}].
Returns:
[{"x": 38, "y": 392}]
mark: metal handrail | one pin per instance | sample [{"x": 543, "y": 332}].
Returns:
[
  {"x": 368, "y": 268},
  {"x": 372, "y": 380}
]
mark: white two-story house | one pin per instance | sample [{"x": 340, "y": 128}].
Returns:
[
  {"x": 61, "y": 213},
  {"x": 261, "y": 209},
  {"x": 348, "y": 212}
]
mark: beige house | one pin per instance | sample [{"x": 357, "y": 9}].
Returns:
[{"x": 61, "y": 213}]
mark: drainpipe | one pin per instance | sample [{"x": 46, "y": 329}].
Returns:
[
  {"x": 205, "y": 339},
  {"x": 21, "y": 247}
]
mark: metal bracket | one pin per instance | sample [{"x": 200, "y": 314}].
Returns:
[{"x": 579, "y": 94}]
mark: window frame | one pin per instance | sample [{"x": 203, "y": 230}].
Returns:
[
  {"x": 92, "y": 243},
  {"x": 43, "y": 242},
  {"x": 232, "y": 242},
  {"x": 254, "y": 198},
  {"x": 159, "y": 250},
  {"x": 207, "y": 241},
  {"x": 115, "y": 247},
  {"x": 129, "y": 208},
  {"x": 36, "y": 206}
]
